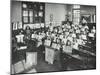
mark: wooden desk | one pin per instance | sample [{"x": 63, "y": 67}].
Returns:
[
  {"x": 80, "y": 61},
  {"x": 89, "y": 47},
  {"x": 75, "y": 56},
  {"x": 86, "y": 46},
  {"x": 86, "y": 52}
]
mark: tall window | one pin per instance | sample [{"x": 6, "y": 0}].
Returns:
[
  {"x": 27, "y": 13},
  {"x": 76, "y": 14},
  {"x": 33, "y": 12}
]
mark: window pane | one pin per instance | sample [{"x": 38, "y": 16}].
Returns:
[
  {"x": 25, "y": 19},
  {"x": 76, "y": 6},
  {"x": 25, "y": 13},
  {"x": 24, "y": 5},
  {"x": 41, "y": 7},
  {"x": 31, "y": 19},
  {"x": 30, "y": 13},
  {"x": 41, "y": 14},
  {"x": 76, "y": 16}
]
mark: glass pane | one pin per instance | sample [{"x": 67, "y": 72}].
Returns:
[
  {"x": 30, "y": 13},
  {"x": 25, "y": 13},
  {"x": 41, "y": 14},
  {"x": 76, "y": 16},
  {"x": 76, "y": 6},
  {"x": 25, "y": 19},
  {"x": 31, "y": 19},
  {"x": 36, "y": 15},
  {"x": 36, "y": 20},
  {"x": 76, "y": 11},
  {"x": 41, "y": 7},
  {"x": 24, "y": 5}
]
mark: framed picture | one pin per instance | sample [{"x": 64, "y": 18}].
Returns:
[
  {"x": 87, "y": 17},
  {"x": 57, "y": 37}
]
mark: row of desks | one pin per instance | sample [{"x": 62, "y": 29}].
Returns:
[{"x": 90, "y": 56}]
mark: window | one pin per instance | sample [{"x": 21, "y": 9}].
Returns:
[
  {"x": 76, "y": 14},
  {"x": 30, "y": 16},
  {"x": 25, "y": 16},
  {"x": 32, "y": 12}
]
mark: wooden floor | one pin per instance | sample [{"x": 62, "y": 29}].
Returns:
[{"x": 42, "y": 66}]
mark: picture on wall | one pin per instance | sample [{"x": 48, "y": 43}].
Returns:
[{"x": 52, "y": 37}]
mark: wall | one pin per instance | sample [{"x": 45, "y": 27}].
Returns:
[
  {"x": 58, "y": 10},
  {"x": 88, "y": 9},
  {"x": 16, "y": 11},
  {"x": 85, "y": 9}
]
